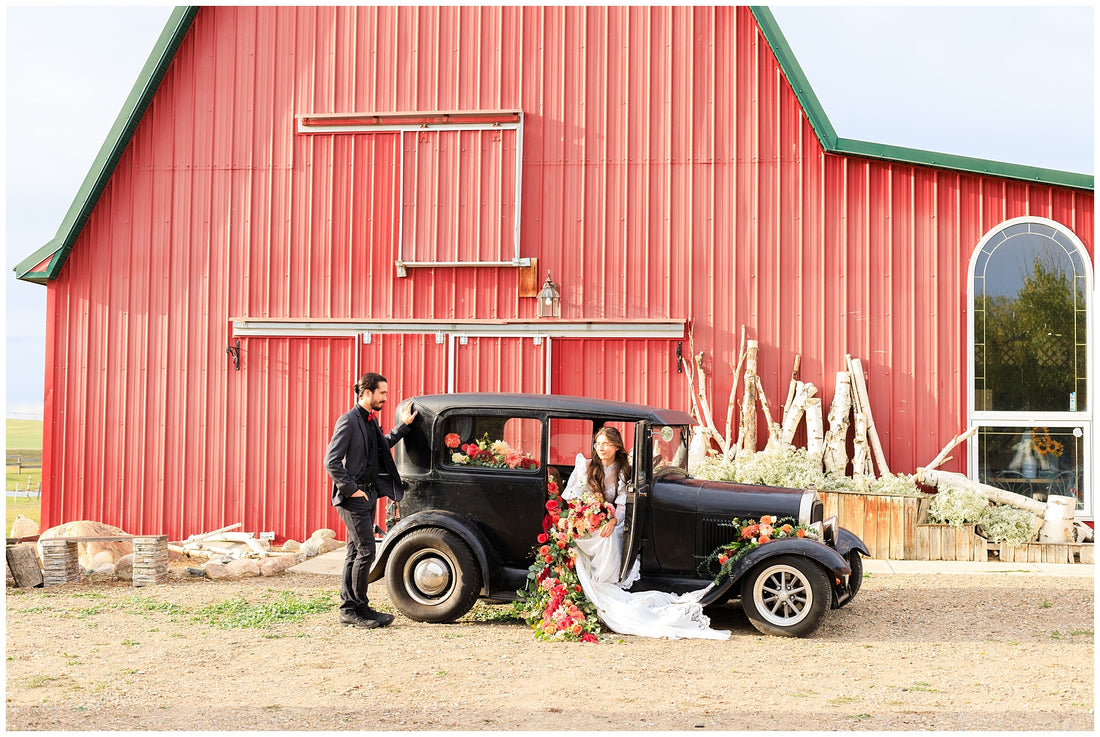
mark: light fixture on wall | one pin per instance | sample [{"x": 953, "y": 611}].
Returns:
[{"x": 549, "y": 299}]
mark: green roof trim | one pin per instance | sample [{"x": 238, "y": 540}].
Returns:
[
  {"x": 51, "y": 257},
  {"x": 819, "y": 121},
  {"x": 56, "y": 251}
]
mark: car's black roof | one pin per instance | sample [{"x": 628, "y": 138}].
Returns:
[{"x": 556, "y": 403}]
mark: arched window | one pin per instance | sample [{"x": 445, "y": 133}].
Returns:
[{"x": 1030, "y": 287}]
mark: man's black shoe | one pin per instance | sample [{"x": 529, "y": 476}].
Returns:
[
  {"x": 381, "y": 618},
  {"x": 355, "y": 620}
]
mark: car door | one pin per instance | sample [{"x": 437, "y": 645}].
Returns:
[{"x": 636, "y": 496}]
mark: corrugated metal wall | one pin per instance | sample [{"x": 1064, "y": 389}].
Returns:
[{"x": 668, "y": 172}]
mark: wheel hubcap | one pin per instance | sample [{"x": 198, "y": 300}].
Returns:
[
  {"x": 429, "y": 577},
  {"x": 783, "y": 596}
]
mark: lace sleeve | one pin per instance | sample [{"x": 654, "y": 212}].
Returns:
[{"x": 576, "y": 479}]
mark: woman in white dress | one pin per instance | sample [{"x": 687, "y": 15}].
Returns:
[{"x": 645, "y": 613}]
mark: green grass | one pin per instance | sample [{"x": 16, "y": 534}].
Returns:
[
  {"x": 287, "y": 607},
  {"x": 24, "y": 435}
]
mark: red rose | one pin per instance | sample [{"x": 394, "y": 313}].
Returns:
[
  {"x": 544, "y": 550},
  {"x": 548, "y": 559},
  {"x": 552, "y": 488},
  {"x": 552, "y": 505},
  {"x": 722, "y": 559},
  {"x": 543, "y": 537},
  {"x": 589, "y": 637},
  {"x": 452, "y": 440}
]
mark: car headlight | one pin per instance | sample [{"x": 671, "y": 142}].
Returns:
[
  {"x": 810, "y": 509},
  {"x": 827, "y": 530}
]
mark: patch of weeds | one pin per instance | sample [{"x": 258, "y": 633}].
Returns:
[
  {"x": 31, "y": 609},
  {"x": 859, "y": 717},
  {"x": 1044, "y": 604},
  {"x": 287, "y": 607},
  {"x": 129, "y": 672},
  {"x": 841, "y": 700},
  {"x": 153, "y": 629},
  {"x": 493, "y": 613},
  {"x": 89, "y": 611},
  {"x": 143, "y": 605},
  {"x": 41, "y": 681},
  {"x": 273, "y": 707},
  {"x": 74, "y": 662},
  {"x": 441, "y": 672},
  {"x": 93, "y": 594},
  {"x": 272, "y": 636},
  {"x": 177, "y": 634},
  {"x": 922, "y": 686},
  {"x": 130, "y": 643}
]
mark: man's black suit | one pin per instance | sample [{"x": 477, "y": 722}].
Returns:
[{"x": 359, "y": 458}]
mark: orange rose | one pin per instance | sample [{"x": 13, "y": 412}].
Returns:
[
  {"x": 544, "y": 550},
  {"x": 548, "y": 559},
  {"x": 577, "y": 630},
  {"x": 766, "y": 519},
  {"x": 765, "y": 539},
  {"x": 801, "y": 533}
]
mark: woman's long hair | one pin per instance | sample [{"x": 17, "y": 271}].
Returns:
[{"x": 594, "y": 478}]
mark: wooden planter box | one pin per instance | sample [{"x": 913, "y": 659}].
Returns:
[
  {"x": 1040, "y": 552},
  {"x": 947, "y": 542},
  {"x": 887, "y": 524}
]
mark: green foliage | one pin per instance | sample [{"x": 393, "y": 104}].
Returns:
[
  {"x": 1014, "y": 526},
  {"x": 957, "y": 507},
  {"x": 287, "y": 607},
  {"x": 1030, "y": 340}
]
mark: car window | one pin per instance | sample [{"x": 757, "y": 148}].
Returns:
[
  {"x": 670, "y": 448},
  {"x": 482, "y": 441}
]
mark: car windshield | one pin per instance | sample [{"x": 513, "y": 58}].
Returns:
[{"x": 670, "y": 448}]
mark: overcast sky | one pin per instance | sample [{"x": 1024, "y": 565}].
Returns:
[{"x": 1011, "y": 84}]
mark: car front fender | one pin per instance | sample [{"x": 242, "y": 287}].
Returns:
[
  {"x": 460, "y": 526},
  {"x": 847, "y": 541},
  {"x": 831, "y": 560}
]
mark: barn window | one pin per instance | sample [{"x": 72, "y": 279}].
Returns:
[
  {"x": 459, "y": 176},
  {"x": 1030, "y": 287}
]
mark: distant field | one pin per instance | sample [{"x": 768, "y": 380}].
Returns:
[
  {"x": 24, "y": 439},
  {"x": 24, "y": 435}
]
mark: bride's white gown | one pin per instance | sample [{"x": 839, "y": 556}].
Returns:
[{"x": 644, "y": 613}]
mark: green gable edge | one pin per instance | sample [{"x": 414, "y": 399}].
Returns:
[
  {"x": 164, "y": 51},
  {"x": 819, "y": 121}
]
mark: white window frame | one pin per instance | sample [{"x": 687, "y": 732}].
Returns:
[{"x": 1082, "y": 419}]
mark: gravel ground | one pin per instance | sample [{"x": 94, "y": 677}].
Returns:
[{"x": 912, "y": 652}]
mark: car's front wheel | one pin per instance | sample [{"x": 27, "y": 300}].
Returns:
[
  {"x": 433, "y": 576},
  {"x": 786, "y": 596}
]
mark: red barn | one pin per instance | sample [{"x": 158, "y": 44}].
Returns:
[{"x": 295, "y": 195}]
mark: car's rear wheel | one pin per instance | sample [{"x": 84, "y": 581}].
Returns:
[
  {"x": 786, "y": 596},
  {"x": 433, "y": 576}
]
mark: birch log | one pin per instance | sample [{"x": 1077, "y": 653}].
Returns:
[
  {"x": 943, "y": 458},
  {"x": 731, "y": 447},
  {"x": 704, "y": 405},
  {"x": 773, "y": 426},
  {"x": 815, "y": 428},
  {"x": 796, "y": 376},
  {"x": 949, "y": 479},
  {"x": 794, "y": 415},
  {"x": 836, "y": 440},
  {"x": 861, "y": 453},
  {"x": 748, "y": 408},
  {"x": 212, "y": 533},
  {"x": 859, "y": 382}
]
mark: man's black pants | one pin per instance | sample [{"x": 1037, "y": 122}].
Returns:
[{"x": 358, "y": 515}]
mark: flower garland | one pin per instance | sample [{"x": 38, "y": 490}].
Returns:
[
  {"x": 553, "y": 602},
  {"x": 485, "y": 452},
  {"x": 750, "y": 534}
]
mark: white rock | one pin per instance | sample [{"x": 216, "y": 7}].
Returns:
[
  {"x": 291, "y": 546},
  {"x": 244, "y": 568},
  {"x": 124, "y": 567},
  {"x": 23, "y": 526},
  {"x": 323, "y": 532}
]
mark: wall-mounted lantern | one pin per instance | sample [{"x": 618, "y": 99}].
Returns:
[{"x": 549, "y": 299}]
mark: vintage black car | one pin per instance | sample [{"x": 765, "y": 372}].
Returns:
[{"x": 468, "y": 522}]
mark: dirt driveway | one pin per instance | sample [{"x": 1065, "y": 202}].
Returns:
[{"x": 913, "y": 652}]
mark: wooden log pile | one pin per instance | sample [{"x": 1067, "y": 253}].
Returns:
[{"x": 850, "y": 408}]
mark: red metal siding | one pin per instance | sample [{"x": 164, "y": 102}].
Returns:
[{"x": 668, "y": 172}]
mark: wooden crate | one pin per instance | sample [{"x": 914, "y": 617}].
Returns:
[
  {"x": 886, "y": 523},
  {"x": 1041, "y": 552},
  {"x": 947, "y": 542}
]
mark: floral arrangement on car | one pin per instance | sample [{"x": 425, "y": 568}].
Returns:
[
  {"x": 750, "y": 534},
  {"x": 553, "y": 602},
  {"x": 485, "y": 452}
]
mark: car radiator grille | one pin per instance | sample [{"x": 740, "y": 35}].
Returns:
[{"x": 713, "y": 532}]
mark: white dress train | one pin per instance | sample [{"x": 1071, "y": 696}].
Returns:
[{"x": 643, "y": 613}]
